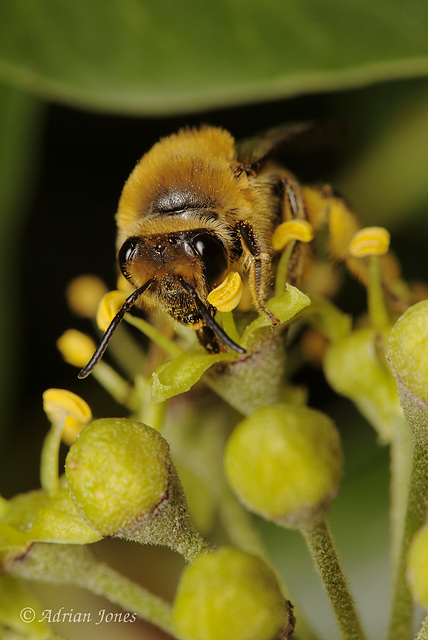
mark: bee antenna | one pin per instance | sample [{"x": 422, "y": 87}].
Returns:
[
  {"x": 99, "y": 352},
  {"x": 219, "y": 332}
]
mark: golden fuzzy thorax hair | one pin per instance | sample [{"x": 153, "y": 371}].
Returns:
[{"x": 192, "y": 169}]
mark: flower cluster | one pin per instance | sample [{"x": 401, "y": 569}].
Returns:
[{"x": 183, "y": 460}]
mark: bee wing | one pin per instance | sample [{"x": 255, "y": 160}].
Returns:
[{"x": 253, "y": 153}]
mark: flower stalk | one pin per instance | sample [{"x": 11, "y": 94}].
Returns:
[
  {"x": 76, "y": 565},
  {"x": 322, "y": 548},
  {"x": 408, "y": 357}
]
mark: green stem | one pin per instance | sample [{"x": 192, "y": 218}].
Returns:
[
  {"x": 240, "y": 525},
  {"x": 281, "y": 272},
  {"x": 322, "y": 548},
  {"x": 169, "y": 346},
  {"x": 49, "y": 477},
  {"x": 127, "y": 352},
  {"x": 113, "y": 383},
  {"x": 402, "y": 606},
  {"x": 75, "y": 565},
  {"x": 376, "y": 303},
  {"x": 148, "y": 412},
  {"x": 416, "y": 414},
  {"x": 228, "y": 322},
  {"x": 401, "y": 453}
]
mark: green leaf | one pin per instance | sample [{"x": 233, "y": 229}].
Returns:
[
  {"x": 386, "y": 181},
  {"x": 19, "y": 117},
  {"x": 152, "y": 57}
]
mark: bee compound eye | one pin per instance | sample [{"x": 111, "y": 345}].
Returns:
[
  {"x": 128, "y": 252},
  {"x": 213, "y": 255}
]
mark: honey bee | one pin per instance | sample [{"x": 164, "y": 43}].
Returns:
[{"x": 197, "y": 206}]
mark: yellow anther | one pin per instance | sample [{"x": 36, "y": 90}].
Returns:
[
  {"x": 75, "y": 347},
  {"x": 63, "y": 405},
  {"x": 228, "y": 294},
  {"x": 370, "y": 241},
  {"x": 301, "y": 230},
  {"x": 84, "y": 294},
  {"x": 108, "y": 307}
]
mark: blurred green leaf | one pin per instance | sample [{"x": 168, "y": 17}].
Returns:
[
  {"x": 388, "y": 178},
  {"x": 19, "y": 116},
  {"x": 166, "y": 56}
]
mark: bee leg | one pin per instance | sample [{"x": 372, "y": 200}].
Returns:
[
  {"x": 294, "y": 208},
  {"x": 292, "y": 201},
  {"x": 259, "y": 269}
]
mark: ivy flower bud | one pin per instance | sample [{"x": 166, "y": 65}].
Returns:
[
  {"x": 355, "y": 366},
  {"x": 408, "y": 350},
  {"x": 417, "y": 566},
  {"x": 301, "y": 230},
  {"x": 229, "y": 594},
  {"x": 84, "y": 294},
  {"x": 109, "y": 305},
  {"x": 228, "y": 294},
  {"x": 76, "y": 347},
  {"x": 284, "y": 463},
  {"x": 370, "y": 241},
  {"x": 123, "y": 483}
]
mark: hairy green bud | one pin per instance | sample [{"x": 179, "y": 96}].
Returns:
[
  {"x": 284, "y": 463},
  {"x": 124, "y": 484},
  {"x": 230, "y": 594}
]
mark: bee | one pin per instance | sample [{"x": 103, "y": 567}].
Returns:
[{"x": 196, "y": 206}]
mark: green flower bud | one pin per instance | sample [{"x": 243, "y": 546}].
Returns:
[
  {"x": 116, "y": 471},
  {"x": 408, "y": 350},
  {"x": 417, "y": 566},
  {"x": 229, "y": 594},
  {"x": 284, "y": 462},
  {"x": 355, "y": 367},
  {"x": 124, "y": 484}
]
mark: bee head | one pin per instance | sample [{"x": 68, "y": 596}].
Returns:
[
  {"x": 194, "y": 260},
  {"x": 196, "y": 255}
]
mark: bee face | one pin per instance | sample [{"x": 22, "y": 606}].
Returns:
[
  {"x": 196, "y": 256},
  {"x": 141, "y": 258}
]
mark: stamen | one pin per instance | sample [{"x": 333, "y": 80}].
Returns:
[
  {"x": 301, "y": 230},
  {"x": 370, "y": 241},
  {"x": 228, "y": 294},
  {"x": 57, "y": 402},
  {"x": 109, "y": 306},
  {"x": 75, "y": 347},
  {"x": 84, "y": 294}
]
